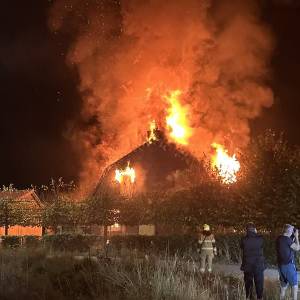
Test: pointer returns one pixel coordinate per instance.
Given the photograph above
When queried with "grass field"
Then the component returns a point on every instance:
(34, 274)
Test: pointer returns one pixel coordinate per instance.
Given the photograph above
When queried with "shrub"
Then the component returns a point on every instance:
(32, 275)
(270, 250)
(11, 241)
(32, 241)
(70, 242)
(180, 245)
(229, 248)
(228, 245)
(156, 244)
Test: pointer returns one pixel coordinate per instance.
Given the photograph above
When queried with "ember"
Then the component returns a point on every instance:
(128, 172)
(226, 166)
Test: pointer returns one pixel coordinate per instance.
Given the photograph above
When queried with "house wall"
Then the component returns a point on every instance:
(166, 230)
(117, 230)
(131, 230)
(148, 230)
(22, 230)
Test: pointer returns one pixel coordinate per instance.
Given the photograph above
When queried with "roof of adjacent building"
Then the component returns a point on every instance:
(21, 195)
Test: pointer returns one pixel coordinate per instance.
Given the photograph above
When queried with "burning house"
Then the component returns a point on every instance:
(179, 63)
(152, 166)
(157, 165)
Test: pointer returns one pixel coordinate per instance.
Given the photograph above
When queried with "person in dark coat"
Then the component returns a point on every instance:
(253, 262)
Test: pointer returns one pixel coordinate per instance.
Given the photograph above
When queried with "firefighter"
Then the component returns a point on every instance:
(206, 248)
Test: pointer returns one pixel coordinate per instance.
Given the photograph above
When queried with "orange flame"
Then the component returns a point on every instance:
(226, 166)
(177, 118)
(128, 172)
(152, 137)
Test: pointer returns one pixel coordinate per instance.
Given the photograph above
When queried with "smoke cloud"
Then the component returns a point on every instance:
(130, 53)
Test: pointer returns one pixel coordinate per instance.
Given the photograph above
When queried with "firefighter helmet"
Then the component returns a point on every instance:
(206, 227)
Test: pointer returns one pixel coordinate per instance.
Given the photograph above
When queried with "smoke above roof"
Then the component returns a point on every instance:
(130, 53)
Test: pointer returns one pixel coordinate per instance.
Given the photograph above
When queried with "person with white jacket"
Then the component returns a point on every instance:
(206, 249)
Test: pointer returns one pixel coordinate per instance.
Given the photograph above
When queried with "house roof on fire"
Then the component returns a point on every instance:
(157, 160)
(29, 196)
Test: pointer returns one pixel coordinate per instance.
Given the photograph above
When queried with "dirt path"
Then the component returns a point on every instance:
(234, 270)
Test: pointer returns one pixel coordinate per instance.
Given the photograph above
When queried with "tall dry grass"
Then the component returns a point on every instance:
(36, 275)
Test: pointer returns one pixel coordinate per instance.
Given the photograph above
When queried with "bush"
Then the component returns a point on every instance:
(32, 275)
(32, 241)
(70, 242)
(228, 245)
(11, 241)
(229, 248)
(156, 244)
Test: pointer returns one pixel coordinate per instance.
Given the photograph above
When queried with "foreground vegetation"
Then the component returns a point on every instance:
(38, 275)
(228, 245)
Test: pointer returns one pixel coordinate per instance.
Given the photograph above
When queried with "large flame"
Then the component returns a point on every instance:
(177, 118)
(128, 172)
(152, 136)
(226, 166)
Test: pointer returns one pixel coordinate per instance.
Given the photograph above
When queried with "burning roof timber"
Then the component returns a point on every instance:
(155, 162)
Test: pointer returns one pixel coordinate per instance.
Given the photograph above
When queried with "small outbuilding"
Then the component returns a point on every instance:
(30, 201)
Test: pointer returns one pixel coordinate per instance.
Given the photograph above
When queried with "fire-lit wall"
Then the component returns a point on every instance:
(123, 230)
(148, 230)
(21, 230)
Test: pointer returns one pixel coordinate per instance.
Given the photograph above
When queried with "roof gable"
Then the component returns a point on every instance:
(158, 160)
(28, 196)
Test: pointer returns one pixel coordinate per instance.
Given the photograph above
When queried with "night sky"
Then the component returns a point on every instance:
(39, 96)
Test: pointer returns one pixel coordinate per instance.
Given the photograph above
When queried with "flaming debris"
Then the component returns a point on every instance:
(226, 166)
(152, 137)
(128, 172)
(177, 118)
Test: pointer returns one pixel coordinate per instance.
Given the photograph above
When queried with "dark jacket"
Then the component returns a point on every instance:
(285, 254)
(252, 252)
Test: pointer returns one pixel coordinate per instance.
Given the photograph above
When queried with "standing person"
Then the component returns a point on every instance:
(286, 245)
(206, 248)
(253, 262)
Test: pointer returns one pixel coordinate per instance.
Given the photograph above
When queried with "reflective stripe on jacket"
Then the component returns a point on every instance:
(206, 242)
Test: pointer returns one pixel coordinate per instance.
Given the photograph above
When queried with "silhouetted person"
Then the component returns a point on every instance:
(286, 245)
(253, 262)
